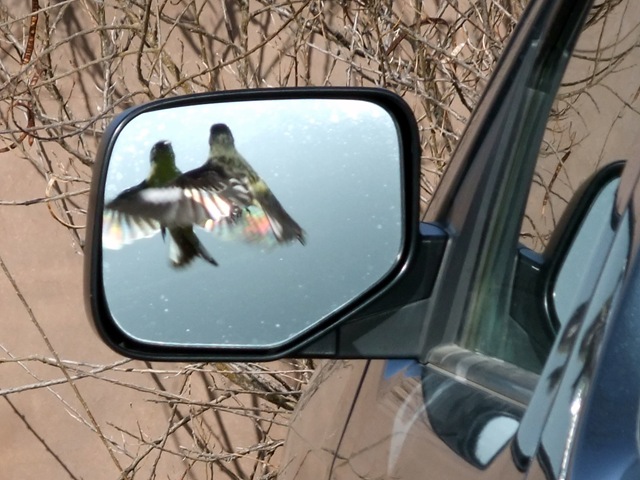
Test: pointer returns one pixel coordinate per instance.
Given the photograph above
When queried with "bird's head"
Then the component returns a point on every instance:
(161, 152)
(220, 134)
(163, 164)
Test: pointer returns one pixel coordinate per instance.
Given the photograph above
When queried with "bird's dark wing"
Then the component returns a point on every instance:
(262, 220)
(183, 202)
(196, 198)
(250, 226)
(168, 206)
(120, 228)
(215, 180)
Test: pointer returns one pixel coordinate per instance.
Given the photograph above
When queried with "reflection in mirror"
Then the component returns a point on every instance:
(492, 438)
(583, 263)
(224, 193)
(245, 223)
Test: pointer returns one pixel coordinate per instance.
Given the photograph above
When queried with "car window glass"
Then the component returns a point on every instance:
(595, 116)
(594, 121)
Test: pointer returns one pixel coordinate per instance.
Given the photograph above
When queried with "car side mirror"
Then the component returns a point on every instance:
(586, 260)
(592, 224)
(235, 224)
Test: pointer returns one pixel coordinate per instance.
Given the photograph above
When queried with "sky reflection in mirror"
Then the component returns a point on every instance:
(333, 165)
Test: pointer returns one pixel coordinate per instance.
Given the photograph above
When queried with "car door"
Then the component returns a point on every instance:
(580, 422)
(469, 415)
(514, 338)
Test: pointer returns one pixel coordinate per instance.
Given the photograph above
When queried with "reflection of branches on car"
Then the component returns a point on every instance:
(586, 110)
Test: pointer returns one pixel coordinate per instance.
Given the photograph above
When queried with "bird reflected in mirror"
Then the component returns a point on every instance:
(169, 201)
(224, 196)
(223, 155)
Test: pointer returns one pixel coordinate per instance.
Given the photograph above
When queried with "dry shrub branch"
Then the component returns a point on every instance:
(66, 68)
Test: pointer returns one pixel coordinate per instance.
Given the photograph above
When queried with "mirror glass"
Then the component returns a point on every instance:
(243, 224)
(582, 266)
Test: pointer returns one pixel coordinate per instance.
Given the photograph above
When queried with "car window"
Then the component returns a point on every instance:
(594, 118)
(593, 122)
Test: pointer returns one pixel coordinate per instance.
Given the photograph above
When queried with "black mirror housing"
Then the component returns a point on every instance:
(302, 218)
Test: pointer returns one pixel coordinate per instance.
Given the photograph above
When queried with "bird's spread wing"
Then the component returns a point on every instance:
(140, 211)
(251, 226)
(214, 180)
(263, 220)
(172, 206)
(120, 229)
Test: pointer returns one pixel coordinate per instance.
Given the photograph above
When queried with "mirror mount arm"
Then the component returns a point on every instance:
(391, 325)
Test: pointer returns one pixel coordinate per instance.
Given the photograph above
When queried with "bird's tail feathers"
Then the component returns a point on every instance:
(285, 228)
(184, 246)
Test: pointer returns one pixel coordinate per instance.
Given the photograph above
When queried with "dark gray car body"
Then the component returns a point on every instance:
(462, 414)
